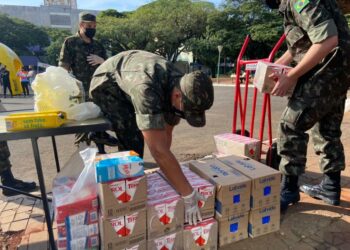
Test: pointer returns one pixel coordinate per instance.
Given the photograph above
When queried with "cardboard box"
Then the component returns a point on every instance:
(118, 168)
(204, 187)
(265, 180)
(232, 228)
(90, 243)
(140, 246)
(232, 187)
(165, 208)
(124, 231)
(262, 81)
(264, 220)
(203, 236)
(173, 241)
(229, 144)
(123, 196)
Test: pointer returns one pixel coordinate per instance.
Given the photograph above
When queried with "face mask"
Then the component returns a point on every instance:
(273, 4)
(90, 32)
(178, 112)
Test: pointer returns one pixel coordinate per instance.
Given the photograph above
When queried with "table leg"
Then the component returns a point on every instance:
(43, 192)
(56, 154)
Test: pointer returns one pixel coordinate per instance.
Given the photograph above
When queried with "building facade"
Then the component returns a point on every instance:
(53, 13)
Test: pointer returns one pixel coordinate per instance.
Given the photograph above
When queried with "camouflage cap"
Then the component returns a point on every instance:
(86, 17)
(197, 96)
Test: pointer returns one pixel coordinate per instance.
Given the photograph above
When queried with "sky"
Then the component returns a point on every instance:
(119, 5)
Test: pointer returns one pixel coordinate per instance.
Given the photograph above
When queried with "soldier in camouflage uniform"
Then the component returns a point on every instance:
(318, 40)
(7, 178)
(81, 55)
(145, 96)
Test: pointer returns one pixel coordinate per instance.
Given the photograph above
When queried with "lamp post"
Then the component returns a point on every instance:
(220, 47)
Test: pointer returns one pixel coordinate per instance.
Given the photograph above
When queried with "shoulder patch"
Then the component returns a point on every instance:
(300, 5)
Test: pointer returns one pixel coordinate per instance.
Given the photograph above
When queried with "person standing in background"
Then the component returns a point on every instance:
(23, 74)
(82, 54)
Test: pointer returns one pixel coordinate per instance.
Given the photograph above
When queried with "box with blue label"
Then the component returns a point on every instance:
(232, 187)
(118, 168)
(265, 180)
(232, 228)
(264, 220)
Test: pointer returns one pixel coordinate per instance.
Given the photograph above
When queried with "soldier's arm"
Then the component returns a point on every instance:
(169, 131)
(321, 29)
(286, 59)
(157, 141)
(65, 59)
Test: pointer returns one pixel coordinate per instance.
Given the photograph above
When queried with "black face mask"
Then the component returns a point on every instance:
(178, 112)
(90, 32)
(273, 4)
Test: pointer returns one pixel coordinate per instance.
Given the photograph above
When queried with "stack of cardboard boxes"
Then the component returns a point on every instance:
(165, 215)
(77, 221)
(232, 198)
(122, 189)
(264, 216)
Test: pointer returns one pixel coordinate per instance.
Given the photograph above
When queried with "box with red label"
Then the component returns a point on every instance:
(232, 187)
(84, 218)
(118, 166)
(122, 196)
(85, 243)
(232, 228)
(123, 231)
(139, 246)
(172, 241)
(262, 79)
(265, 180)
(264, 220)
(165, 208)
(203, 236)
(229, 144)
(205, 188)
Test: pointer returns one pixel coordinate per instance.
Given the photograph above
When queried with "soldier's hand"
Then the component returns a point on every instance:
(283, 83)
(95, 60)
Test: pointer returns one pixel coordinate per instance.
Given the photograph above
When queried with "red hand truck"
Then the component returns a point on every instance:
(250, 66)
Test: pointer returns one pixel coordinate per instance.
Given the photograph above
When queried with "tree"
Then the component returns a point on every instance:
(162, 26)
(57, 37)
(23, 37)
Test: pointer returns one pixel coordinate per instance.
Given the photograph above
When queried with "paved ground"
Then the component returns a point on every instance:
(308, 225)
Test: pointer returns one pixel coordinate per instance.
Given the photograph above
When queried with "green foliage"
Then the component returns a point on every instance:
(163, 26)
(57, 37)
(21, 36)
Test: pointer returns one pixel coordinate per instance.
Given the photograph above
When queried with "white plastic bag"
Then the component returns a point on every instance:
(56, 89)
(83, 111)
(68, 189)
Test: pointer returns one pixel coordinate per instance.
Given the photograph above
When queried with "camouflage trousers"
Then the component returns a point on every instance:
(324, 117)
(120, 111)
(4, 157)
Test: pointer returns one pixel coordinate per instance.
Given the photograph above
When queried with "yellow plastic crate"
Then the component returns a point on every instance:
(35, 120)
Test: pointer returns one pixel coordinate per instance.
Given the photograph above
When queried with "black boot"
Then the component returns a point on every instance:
(8, 180)
(328, 190)
(289, 191)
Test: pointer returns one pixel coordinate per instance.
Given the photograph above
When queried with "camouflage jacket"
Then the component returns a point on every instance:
(145, 80)
(74, 54)
(312, 21)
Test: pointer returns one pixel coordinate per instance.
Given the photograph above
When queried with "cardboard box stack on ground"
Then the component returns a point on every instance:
(262, 80)
(264, 216)
(122, 189)
(203, 236)
(229, 143)
(165, 212)
(77, 222)
(232, 198)
(204, 187)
